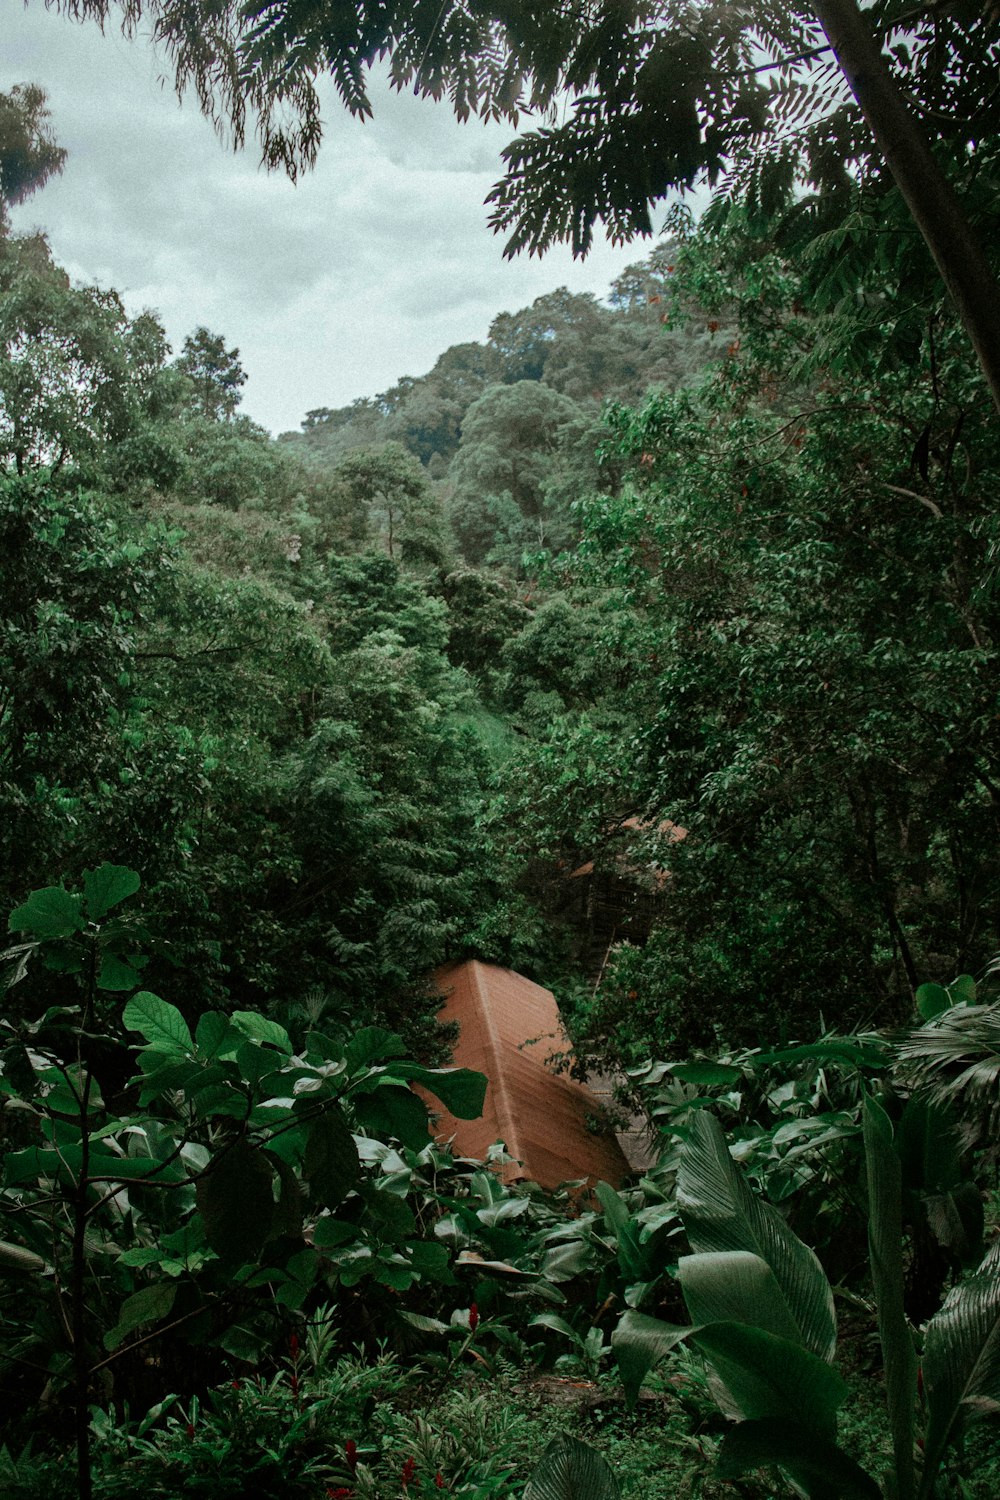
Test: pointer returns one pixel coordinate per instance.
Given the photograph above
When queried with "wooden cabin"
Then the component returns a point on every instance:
(509, 1028)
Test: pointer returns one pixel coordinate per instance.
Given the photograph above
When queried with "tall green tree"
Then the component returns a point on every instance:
(403, 510)
(215, 373)
(517, 442)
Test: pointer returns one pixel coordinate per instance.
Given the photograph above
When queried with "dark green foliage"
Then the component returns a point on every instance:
(28, 154)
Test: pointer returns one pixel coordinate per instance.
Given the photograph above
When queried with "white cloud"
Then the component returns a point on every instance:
(333, 288)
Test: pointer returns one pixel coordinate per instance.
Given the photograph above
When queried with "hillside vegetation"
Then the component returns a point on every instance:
(648, 648)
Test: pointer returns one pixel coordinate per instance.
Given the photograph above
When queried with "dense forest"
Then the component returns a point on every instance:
(648, 648)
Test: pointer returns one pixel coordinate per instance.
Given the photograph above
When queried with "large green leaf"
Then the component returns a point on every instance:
(49, 913)
(734, 1286)
(163, 1026)
(931, 1000)
(148, 1305)
(259, 1029)
(104, 887)
(768, 1376)
(961, 1364)
(116, 974)
(330, 1164)
(372, 1044)
(571, 1470)
(461, 1090)
(720, 1212)
(706, 1073)
(885, 1240)
(640, 1342)
(871, 1053)
(393, 1113)
(632, 1255)
(236, 1202)
(820, 1468)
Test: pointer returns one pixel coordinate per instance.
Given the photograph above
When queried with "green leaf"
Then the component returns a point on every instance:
(870, 1054)
(767, 1376)
(720, 1212)
(734, 1286)
(430, 1260)
(885, 1240)
(243, 1343)
(212, 1030)
(259, 1029)
(460, 1090)
(162, 1024)
(372, 1044)
(287, 1218)
(571, 1470)
(392, 1113)
(49, 913)
(557, 1324)
(148, 1305)
(104, 887)
(821, 1469)
(425, 1325)
(640, 1342)
(116, 974)
(963, 990)
(330, 1165)
(932, 999)
(706, 1073)
(632, 1256)
(329, 1233)
(961, 1363)
(236, 1202)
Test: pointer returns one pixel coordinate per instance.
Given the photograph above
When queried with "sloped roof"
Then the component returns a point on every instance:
(509, 1029)
(673, 833)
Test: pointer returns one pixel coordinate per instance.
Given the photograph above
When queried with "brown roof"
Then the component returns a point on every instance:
(509, 1029)
(672, 832)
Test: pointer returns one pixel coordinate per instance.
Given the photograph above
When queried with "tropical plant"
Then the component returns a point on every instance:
(764, 1321)
(231, 1169)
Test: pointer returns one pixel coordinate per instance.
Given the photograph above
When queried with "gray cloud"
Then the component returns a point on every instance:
(333, 288)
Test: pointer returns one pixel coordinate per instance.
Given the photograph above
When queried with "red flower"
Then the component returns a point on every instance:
(473, 1318)
(190, 1429)
(409, 1470)
(339, 1494)
(351, 1454)
(293, 1344)
(235, 1385)
(439, 1480)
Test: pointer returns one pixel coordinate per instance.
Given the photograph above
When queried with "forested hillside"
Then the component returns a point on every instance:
(648, 647)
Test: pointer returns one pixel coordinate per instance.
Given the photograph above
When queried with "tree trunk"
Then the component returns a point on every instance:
(929, 196)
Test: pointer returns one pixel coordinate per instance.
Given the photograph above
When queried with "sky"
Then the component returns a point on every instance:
(366, 270)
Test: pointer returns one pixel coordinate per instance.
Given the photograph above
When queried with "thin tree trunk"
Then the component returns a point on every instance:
(936, 210)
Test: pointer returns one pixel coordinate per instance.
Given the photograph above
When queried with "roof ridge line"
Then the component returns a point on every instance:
(501, 1103)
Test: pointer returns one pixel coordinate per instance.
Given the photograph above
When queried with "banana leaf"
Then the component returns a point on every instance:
(766, 1376)
(733, 1286)
(639, 1342)
(721, 1213)
(571, 1470)
(820, 1469)
(961, 1362)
